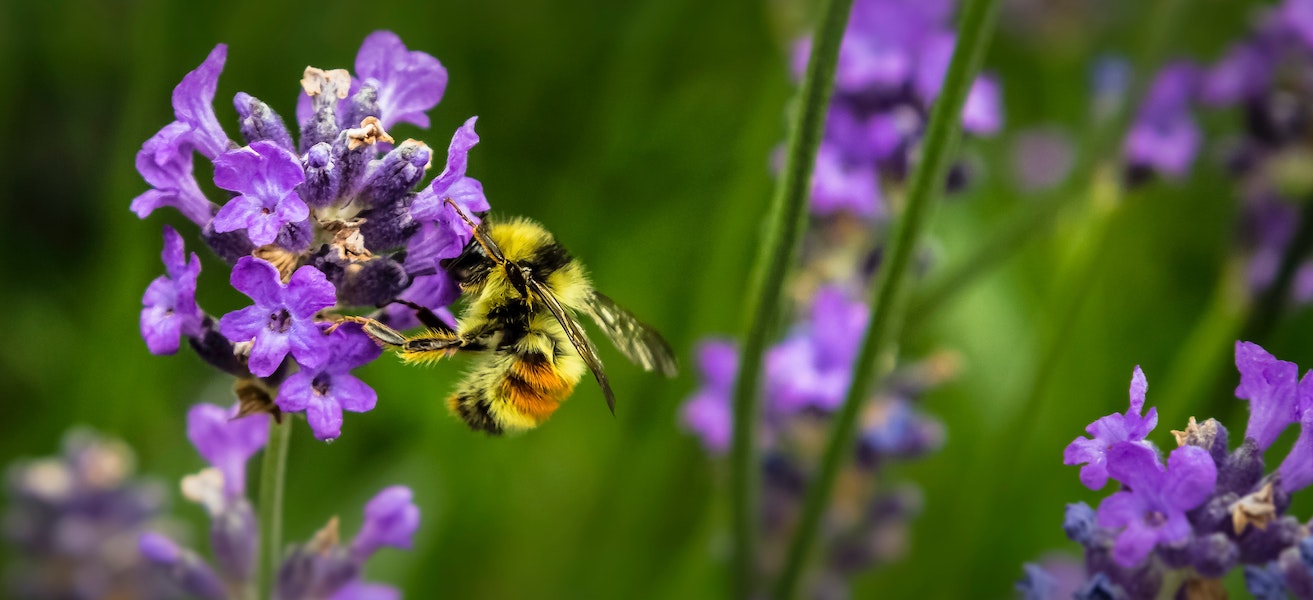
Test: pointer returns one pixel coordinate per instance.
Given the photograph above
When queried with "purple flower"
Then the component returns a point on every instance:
(708, 412)
(839, 185)
(1297, 469)
(165, 162)
(409, 83)
(360, 590)
(1272, 388)
(1164, 136)
(227, 442)
(391, 519)
(182, 566)
(1151, 507)
(1111, 430)
(813, 368)
(193, 104)
(169, 306)
(442, 233)
(1243, 73)
(265, 175)
(282, 317)
(323, 392)
(1297, 15)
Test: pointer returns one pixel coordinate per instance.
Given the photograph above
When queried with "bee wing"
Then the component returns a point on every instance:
(641, 344)
(576, 334)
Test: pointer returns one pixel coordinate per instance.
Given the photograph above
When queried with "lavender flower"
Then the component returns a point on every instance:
(708, 412)
(265, 177)
(1152, 510)
(281, 320)
(1109, 430)
(1210, 509)
(1164, 137)
(812, 369)
(336, 218)
(324, 392)
(891, 67)
(169, 306)
(66, 520)
(321, 568)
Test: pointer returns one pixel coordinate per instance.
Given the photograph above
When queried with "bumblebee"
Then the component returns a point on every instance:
(524, 290)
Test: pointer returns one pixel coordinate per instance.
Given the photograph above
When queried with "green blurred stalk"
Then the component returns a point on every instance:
(938, 147)
(1029, 220)
(783, 230)
(273, 476)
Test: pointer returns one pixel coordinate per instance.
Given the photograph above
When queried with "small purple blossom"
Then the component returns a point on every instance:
(1272, 388)
(322, 393)
(193, 104)
(409, 82)
(227, 441)
(1110, 430)
(1151, 509)
(391, 519)
(442, 233)
(169, 308)
(265, 176)
(165, 162)
(812, 369)
(1164, 137)
(708, 412)
(282, 318)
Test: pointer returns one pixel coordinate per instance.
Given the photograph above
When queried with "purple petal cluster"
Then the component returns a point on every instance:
(812, 368)
(65, 520)
(321, 568)
(891, 68)
(708, 412)
(1164, 137)
(1107, 431)
(169, 309)
(322, 393)
(337, 217)
(1210, 509)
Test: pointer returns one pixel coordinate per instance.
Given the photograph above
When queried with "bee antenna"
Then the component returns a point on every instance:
(463, 216)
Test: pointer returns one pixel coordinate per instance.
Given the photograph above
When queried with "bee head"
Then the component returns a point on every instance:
(471, 268)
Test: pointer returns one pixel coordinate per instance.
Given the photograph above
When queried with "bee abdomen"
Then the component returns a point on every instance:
(473, 408)
(533, 387)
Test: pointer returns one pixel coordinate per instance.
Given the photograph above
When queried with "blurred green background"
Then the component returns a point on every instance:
(640, 133)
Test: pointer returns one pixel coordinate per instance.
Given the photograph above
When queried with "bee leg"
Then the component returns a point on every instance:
(380, 333)
(425, 316)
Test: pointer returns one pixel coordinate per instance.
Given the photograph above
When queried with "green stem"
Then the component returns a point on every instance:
(877, 352)
(272, 478)
(783, 230)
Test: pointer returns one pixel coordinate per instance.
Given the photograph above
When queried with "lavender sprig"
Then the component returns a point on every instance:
(1210, 509)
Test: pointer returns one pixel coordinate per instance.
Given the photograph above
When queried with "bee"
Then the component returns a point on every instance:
(524, 290)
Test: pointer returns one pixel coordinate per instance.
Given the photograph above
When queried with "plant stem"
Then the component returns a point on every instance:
(976, 29)
(273, 473)
(783, 230)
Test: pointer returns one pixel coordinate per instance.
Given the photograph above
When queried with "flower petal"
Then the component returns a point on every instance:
(268, 352)
(325, 418)
(409, 83)
(193, 103)
(353, 394)
(308, 292)
(258, 279)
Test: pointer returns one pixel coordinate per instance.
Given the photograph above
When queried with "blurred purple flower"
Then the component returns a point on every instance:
(1151, 508)
(1110, 430)
(282, 318)
(323, 392)
(1164, 137)
(227, 441)
(707, 414)
(169, 308)
(812, 368)
(391, 519)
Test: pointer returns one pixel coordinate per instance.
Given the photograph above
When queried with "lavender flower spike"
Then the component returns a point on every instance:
(282, 318)
(1151, 508)
(409, 83)
(1127, 427)
(391, 519)
(169, 306)
(1270, 386)
(324, 392)
(227, 442)
(265, 175)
